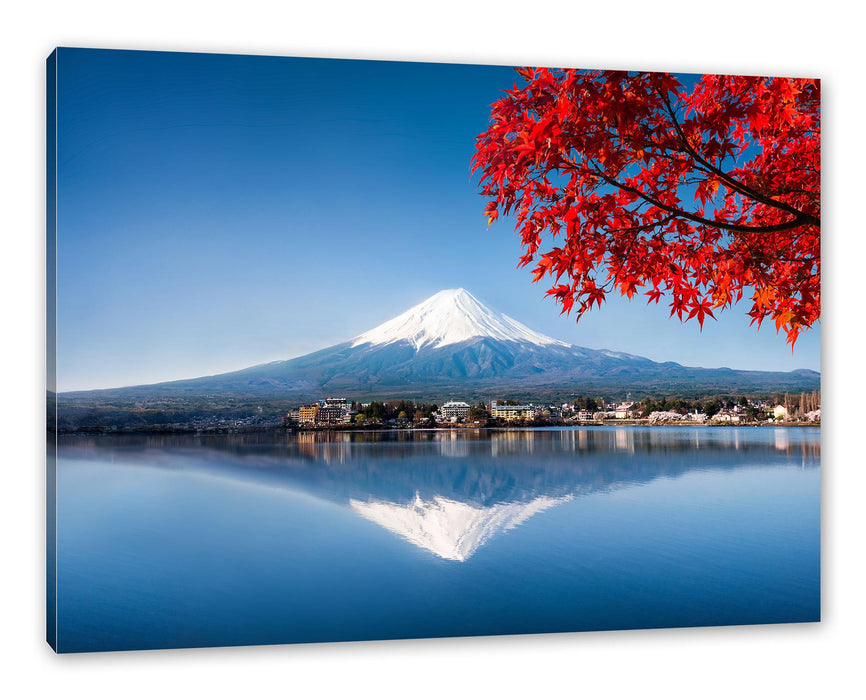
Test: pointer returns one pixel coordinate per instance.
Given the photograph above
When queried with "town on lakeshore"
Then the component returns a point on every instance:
(340, 412)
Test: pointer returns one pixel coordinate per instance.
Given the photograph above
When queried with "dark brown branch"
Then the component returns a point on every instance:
(731, 182)
(734, 228)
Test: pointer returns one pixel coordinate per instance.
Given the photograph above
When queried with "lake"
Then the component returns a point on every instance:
(187, 541)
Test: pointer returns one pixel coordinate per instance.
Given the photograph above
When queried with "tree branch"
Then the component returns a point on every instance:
(734, 228)
(734, 184)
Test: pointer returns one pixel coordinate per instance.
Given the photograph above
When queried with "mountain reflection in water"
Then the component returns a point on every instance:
(449, 492)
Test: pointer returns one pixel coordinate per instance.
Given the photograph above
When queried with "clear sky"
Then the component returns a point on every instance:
(215, 212)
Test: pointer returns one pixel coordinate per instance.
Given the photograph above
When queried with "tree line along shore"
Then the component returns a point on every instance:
(353, 415)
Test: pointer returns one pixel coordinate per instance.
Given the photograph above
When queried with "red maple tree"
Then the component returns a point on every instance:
(697, 192)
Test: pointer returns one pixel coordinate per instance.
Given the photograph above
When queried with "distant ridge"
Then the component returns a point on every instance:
(453, 345)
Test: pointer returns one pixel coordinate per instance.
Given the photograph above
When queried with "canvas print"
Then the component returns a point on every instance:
(360, 350)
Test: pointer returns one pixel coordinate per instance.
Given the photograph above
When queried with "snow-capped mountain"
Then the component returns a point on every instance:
(452, 316)
(453, 345)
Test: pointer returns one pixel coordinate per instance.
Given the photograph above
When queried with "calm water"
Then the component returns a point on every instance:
(180, 542)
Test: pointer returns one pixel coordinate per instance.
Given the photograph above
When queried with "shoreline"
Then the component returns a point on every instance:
(635, 423)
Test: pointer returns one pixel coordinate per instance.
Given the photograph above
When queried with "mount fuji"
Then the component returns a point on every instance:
(452, 345)
(450, 317)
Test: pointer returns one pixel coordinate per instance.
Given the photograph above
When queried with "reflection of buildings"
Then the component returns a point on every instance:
(781, 439)
(511, 442)
(452, 444)
(337, 449)
(624, 440)
(491, 481)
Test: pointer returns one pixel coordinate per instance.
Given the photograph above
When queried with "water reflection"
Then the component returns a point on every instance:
(448, 528)
(450, 492)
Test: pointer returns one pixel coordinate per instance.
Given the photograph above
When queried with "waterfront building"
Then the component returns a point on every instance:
(330, 415)
(623, 410)
(458, 410)
(510, 413)
(307, 414)
(726, 416)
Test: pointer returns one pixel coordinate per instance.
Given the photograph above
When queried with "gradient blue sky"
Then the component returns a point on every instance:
(217, 211)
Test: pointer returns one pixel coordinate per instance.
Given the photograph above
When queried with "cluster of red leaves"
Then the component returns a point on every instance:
(693, 193)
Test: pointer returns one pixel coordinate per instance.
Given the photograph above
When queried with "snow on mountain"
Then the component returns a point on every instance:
(450, 529)
(449, 317)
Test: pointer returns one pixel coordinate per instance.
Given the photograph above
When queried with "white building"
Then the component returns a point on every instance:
(457, 410)
(623, 410)
(726, 417)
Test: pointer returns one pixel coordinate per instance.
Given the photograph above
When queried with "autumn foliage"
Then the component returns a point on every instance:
(697, 191)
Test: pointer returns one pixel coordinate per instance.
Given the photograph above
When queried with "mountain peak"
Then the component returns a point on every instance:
(448, 317)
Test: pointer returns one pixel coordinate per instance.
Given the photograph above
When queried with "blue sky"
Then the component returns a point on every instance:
(219, 211)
